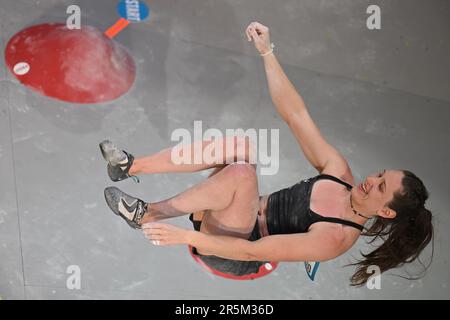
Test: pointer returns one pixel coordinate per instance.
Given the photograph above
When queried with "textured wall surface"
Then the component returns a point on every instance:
(381, 97)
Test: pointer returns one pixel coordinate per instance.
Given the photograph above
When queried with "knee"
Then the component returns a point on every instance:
(244, 149)
(244, 171)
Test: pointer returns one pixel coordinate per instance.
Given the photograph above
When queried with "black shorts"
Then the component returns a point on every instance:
(232, 267)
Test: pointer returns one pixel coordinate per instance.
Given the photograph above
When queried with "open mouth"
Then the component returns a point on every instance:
(362, 188)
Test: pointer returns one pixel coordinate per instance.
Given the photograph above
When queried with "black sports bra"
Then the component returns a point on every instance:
(288, 210)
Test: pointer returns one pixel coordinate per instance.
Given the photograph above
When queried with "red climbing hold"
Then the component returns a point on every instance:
(263, 270)
(81, 66)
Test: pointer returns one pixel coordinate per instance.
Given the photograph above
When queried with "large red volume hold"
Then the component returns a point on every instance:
(81, 66)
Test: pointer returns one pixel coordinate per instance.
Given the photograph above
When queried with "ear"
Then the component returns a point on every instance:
(387, 212)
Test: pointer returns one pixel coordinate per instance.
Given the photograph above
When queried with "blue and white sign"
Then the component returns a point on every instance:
(133, 10)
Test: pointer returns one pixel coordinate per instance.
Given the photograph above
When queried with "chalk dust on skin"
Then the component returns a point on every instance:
(81, 66)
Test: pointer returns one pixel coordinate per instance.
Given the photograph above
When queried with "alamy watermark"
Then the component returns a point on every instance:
(73, 282)
(373, 22)
(235, 145)
(374, 281)
(74, 20)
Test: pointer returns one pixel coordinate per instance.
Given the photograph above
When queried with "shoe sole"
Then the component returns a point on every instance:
(107, 149)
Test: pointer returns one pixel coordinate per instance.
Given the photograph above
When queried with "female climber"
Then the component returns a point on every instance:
(317, 219)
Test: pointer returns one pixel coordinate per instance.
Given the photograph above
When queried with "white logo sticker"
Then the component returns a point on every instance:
(21, 68)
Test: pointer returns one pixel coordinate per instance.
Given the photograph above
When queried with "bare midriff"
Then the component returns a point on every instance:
(262, 217)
